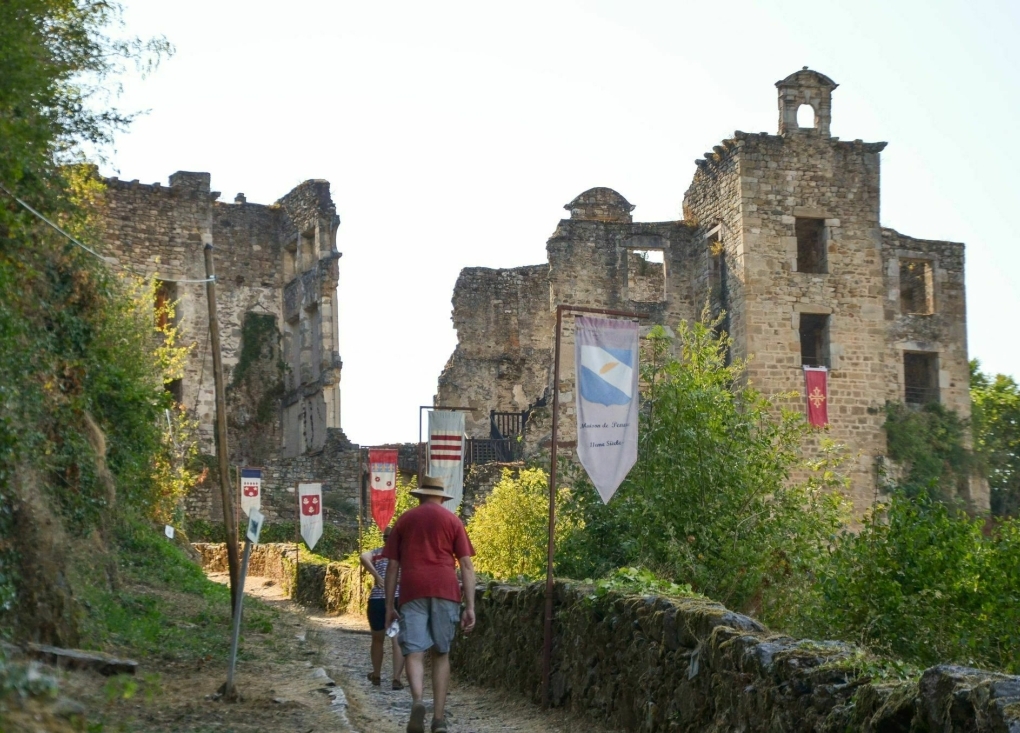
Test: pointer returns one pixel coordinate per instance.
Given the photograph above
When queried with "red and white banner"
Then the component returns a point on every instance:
(446, 453)
(816, 387)
(382, 478)
(251, 489)
(310, 504)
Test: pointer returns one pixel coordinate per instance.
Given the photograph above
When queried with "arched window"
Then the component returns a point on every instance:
(805, 116)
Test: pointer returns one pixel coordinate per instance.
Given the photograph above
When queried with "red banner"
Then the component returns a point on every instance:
(382, 478)
(816, 381)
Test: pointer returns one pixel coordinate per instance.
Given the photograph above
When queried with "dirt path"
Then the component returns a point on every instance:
(342, 646)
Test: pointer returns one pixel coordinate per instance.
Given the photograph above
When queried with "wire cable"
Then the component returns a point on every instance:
(92, 251)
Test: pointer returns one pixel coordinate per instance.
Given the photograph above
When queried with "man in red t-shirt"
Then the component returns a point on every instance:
(423, 546)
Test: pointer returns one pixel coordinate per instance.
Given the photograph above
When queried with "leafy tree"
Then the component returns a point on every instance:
(510, 529)
(995, 422)
(929, 444)
(923, 581)
(719, 498)
(59, 64)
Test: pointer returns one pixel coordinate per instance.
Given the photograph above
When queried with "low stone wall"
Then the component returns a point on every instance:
(330, 586)
(656, 664)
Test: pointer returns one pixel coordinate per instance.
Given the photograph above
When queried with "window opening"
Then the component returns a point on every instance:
(920, 378)
(166, 296)
(806, 116)
(917, 287)
(811, 256)
(814, 340)
(646, 275)
(176, 390)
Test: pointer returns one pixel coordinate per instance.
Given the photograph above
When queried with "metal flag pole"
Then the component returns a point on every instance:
(553, 458)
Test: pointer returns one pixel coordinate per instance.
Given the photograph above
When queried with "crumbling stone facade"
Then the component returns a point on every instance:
(277, 268)
(782, 233)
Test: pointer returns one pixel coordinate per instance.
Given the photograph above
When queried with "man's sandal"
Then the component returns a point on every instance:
(375, 679)
(398, 685)
(439, 726)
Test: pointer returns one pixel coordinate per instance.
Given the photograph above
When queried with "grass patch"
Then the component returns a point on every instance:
(164, 608)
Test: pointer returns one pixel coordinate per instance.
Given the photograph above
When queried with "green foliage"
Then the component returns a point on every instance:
(995, 421)
(510, 529)
(711, 501)
(922, 581)
(58, 76)
(638, 581)
(929, 442)
(167, 609)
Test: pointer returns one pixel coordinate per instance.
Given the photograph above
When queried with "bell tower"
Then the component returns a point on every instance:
(805, 87)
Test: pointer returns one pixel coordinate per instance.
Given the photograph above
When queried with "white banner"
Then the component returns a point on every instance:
(251, 489)
(446, 453)
(606, 359)
(310, 501)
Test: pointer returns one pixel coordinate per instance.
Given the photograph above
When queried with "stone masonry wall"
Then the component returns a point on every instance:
(688, 664)
(277, 269)
(649, 664)
(736, 251)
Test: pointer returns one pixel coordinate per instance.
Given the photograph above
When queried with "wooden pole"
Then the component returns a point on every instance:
(226, 486)
(553, 458)
(361, 512)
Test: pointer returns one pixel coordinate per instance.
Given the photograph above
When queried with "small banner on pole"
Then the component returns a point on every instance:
(382, 477)
(251, 489)
(606, 359)
(816, 381)
(446, 453)
(310, 501)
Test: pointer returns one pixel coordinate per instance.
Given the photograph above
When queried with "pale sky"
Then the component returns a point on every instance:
(454, 132)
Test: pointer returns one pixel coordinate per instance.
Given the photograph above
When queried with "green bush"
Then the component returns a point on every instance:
(995, 420)
(929, 443)
(510, 529)
(712, 501)
(924, 582)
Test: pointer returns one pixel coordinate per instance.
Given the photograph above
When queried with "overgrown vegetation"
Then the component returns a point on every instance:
(88, 435)
(995, 404)
(928, 443)
(508, 530)
(711, 501)
(924, 582)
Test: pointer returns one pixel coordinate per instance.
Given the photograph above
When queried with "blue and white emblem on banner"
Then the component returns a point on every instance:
(607, 375)
(606, 357)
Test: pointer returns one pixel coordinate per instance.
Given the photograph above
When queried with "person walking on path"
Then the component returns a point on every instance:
(423, 546)
(376, 564)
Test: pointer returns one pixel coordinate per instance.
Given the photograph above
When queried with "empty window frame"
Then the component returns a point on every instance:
(811, 245)
(166, 298)
(814, 340)
(646, 275)
(917, 287)
(920, 377)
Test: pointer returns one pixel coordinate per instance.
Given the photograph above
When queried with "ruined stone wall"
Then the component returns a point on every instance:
(277, 272)
(504, 330)
(737, 252)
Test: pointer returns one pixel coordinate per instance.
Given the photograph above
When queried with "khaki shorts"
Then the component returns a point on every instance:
(426, 623)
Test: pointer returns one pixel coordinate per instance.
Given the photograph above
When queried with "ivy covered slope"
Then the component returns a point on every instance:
(84, 439)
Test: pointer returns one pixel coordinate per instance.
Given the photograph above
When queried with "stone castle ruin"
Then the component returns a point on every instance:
(781, 233)
(277, 268)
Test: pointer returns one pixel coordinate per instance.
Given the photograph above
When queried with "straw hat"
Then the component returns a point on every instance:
(431, 486)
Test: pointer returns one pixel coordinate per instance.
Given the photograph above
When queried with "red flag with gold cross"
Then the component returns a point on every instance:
(816, 382)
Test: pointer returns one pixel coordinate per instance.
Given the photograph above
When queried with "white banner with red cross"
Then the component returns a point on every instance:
(446, 453)
(251, 489)
(310, 503)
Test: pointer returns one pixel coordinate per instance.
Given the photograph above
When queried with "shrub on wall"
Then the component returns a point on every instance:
(710, 501)
(510, 529)
(922, 581)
